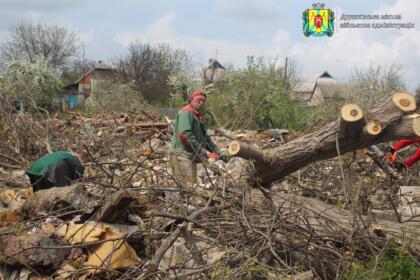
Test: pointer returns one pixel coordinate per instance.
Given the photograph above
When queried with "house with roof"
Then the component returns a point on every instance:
(77, 92)
(214, 72)
(318, 88)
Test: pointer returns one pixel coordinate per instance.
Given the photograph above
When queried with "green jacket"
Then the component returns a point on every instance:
(190, 134)
(60, 168)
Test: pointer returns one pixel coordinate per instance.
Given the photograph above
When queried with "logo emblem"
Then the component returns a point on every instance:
(318, 22)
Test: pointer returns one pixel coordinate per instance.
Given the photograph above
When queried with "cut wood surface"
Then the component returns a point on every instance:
(395, 118)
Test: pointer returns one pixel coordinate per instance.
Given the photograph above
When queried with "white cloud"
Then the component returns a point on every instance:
(282, 38)
(87, 36)
(248, 10)
(14, 11)
(348, 48)
(339, 54)
(162, 31)
(408, 9)
(40, 5)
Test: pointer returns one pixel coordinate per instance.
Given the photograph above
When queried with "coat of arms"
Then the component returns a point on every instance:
(318, 22)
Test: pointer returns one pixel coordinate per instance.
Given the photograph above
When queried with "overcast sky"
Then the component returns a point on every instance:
(232, 29)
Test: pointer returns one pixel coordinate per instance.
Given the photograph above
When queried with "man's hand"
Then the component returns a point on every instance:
(213, 156)
(389, 150)
(391, 157)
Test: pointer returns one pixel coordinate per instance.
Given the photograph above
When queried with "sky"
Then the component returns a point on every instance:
(232, 29)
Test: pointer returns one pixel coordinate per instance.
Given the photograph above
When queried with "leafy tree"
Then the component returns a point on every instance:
(30, 40)
(150, 67)
(255, 97)
(35, 83)
(115, 96)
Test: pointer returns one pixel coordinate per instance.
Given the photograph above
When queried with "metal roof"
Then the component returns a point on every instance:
(303, 90)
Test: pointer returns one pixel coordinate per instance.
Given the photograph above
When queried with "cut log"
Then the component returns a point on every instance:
(74, 197)
(373, 128)
(399, 119)
(351, 113)
(243, 150)
(404, 101)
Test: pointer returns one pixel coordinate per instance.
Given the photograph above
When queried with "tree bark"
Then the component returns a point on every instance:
(396, 118)
(327, 219)
(69, 198)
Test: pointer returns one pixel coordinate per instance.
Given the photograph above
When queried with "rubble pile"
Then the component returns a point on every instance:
(129, 219)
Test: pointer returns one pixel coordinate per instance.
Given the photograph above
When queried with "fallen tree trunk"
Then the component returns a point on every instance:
(327, 219)
(320, 236)
(395, 118)
(69, 198)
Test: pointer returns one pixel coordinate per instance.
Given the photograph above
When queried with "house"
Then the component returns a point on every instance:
(77, 92)
(318, 88)
(214, 72)
(333, 92)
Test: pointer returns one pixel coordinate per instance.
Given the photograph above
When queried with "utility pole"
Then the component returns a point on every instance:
(285, 69)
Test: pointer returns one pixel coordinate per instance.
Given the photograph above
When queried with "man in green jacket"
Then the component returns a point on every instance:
(56, 169)
(190, 142)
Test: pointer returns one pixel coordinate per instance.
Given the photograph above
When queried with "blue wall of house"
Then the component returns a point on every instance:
(72, 100)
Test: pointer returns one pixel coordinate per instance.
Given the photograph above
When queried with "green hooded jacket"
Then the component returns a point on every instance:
(190, 134)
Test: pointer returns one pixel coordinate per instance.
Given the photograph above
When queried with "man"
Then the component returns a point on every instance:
(410, 161)
(56, 169)
(190, 142)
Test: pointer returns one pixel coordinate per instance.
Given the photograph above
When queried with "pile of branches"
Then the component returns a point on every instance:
(221, 229)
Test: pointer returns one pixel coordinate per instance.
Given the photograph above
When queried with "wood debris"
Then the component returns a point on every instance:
(128, 219)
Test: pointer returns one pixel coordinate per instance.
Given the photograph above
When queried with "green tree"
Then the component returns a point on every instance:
(34, 83)
(115, 96)
(255, 97)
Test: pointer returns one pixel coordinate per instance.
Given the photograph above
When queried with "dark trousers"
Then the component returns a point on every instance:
(39, 182)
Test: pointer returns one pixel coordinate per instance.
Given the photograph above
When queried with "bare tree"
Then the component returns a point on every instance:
(151, 66)
(30, 40)
(375, 82)
(76, 69)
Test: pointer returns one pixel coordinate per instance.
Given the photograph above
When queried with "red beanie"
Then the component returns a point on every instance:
(195, 94)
